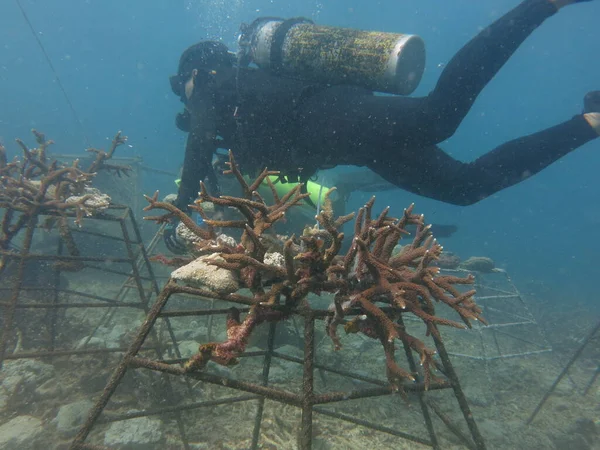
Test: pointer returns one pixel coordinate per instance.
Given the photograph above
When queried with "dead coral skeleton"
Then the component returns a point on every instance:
(368, 282)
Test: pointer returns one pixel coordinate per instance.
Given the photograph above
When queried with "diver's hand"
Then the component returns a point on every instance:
(171, 241)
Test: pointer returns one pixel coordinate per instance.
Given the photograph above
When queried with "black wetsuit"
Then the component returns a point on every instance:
(295, 127)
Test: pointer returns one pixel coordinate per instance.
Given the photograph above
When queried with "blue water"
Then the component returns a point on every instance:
(114, 58)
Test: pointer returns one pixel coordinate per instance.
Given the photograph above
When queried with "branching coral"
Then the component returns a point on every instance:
(368, 282)
(35, 186)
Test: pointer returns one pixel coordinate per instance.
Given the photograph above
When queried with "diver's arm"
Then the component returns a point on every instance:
(197, 165)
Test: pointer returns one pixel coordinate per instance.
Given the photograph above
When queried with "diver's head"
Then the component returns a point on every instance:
(207, 63)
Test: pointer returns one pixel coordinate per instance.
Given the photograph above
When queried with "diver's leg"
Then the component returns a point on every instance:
(519, 159)
(562, 3)
(477, 62)
(437, 175)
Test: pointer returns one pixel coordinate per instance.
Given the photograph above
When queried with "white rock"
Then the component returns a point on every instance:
(3, 398)
(478, 264)
(114, 335)
(134, 434)
(27, 373)
(171, 198)
(274, 259)
(185, 234)
(70, 417)
(22, 432)
(199, 273)
(207, 207)
(50, 389)
(188, 348)
(226, 240)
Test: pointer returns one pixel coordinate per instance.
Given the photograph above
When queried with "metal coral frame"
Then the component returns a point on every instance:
(307, 400)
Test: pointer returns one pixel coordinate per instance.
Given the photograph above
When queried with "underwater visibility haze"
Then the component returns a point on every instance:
(125, 312)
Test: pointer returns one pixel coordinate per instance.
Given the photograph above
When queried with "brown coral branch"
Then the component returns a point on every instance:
(228, 201)
(379, 316)
(99, 162)
(237, 261)
(234, 169)
(173, 211)
(264, 175)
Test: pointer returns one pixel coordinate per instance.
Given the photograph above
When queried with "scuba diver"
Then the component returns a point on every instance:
(297, 123)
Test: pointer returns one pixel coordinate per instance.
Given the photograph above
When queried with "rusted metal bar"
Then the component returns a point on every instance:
(9, 310)
(563, 372)
(199, 312)
(109, 418)
(42, 257)
(451, 425)
(332, 397)
(83, 352)
(265, 381)
(72, 305)
(308, 381)
(458, 392)
(145, 302)
(371, 425)
(271, 393)
(413, 368)
(121, 369)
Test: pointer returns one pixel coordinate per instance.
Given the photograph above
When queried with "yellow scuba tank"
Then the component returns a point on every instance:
(297, 48)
